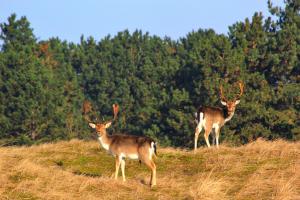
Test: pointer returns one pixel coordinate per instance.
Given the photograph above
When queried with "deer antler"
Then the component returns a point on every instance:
(87, 108)
(241, 86)
(116, 110)
(223, 98)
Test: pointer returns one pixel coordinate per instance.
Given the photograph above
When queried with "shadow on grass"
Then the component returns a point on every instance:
(88, 174)
(78, 172)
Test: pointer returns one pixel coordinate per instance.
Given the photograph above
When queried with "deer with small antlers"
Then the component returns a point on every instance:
(124, 146)
(215, 117)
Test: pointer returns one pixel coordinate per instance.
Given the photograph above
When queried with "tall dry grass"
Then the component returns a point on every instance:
(81, 170)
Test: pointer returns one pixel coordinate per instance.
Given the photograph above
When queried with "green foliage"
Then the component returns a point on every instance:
(40, 94)
(157, 82)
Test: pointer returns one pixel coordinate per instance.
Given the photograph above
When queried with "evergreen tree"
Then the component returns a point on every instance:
(158, 82)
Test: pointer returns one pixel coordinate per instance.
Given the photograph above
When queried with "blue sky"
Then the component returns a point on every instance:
(69, 19)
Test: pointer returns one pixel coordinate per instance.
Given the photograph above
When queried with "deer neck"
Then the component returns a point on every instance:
(227, 115)
(104, 140)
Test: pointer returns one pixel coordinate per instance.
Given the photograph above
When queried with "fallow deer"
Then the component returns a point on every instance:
(215, 117)
(126, 146)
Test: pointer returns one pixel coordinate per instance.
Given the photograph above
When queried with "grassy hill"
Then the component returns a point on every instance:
(82, 170)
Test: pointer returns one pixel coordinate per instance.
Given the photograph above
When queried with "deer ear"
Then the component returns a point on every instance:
(107, 124)
(237, 102)
(223, 103)
(196, 115)
(92, 125)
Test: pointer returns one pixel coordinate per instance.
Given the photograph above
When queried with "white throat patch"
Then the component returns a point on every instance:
(103, 144)
(229, 117)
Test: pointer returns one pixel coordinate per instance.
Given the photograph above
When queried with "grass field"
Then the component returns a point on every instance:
(82, 170)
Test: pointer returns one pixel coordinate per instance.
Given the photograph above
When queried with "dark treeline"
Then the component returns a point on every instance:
(157, 82)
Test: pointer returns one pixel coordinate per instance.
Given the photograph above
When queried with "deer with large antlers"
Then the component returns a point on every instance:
(124, 146)
(214, 117)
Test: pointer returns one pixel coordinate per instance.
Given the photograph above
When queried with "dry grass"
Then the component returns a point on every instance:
(81, 170)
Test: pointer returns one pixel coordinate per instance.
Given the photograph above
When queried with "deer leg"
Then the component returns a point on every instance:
(197, 132)
(217, 132)
(153, 174)
(214, 137)
(206, 136)
(151, 165)
(123, 168)
(117, 167)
